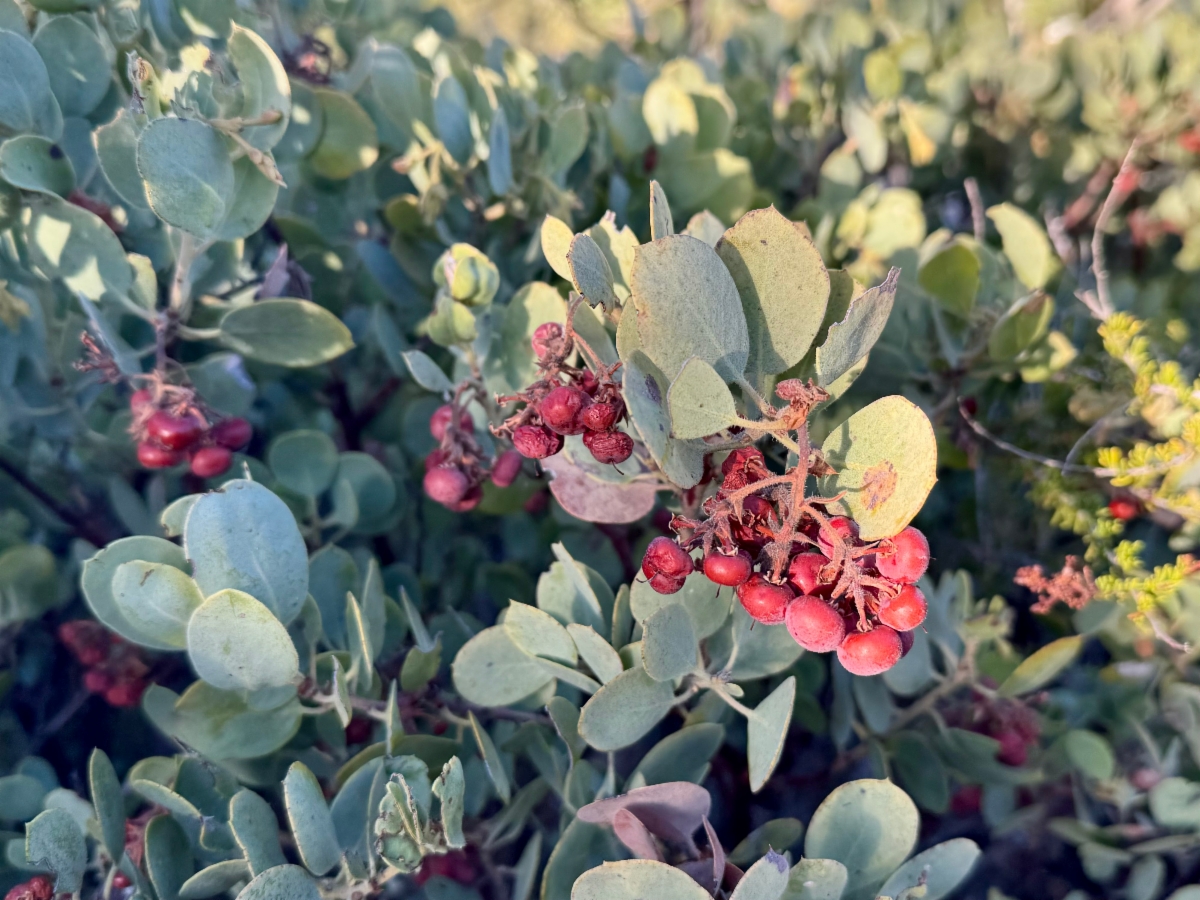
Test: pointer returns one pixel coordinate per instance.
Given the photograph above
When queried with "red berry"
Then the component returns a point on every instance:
(728, 570)
(1189, 141)
(906, 643)
(1124, 508)
(764, 601)
(1013, 750)
(665, 563)
(543, 336)
(870, 652)
(209, 462)
(120, 881)
(804, 572)
(506, 468)
(609, 446)
(846, 528)
(469, 501)
(665, 584)
(125, 694)
(358, 730)
(600, 416)
(814, 624)
(561, 409)
(751, 530)
(588, 383)
(905, 611)
(88, 640)
(905, 557)
(97, 681)
(233, 434)
(174, 432)
(446, 484)
(139, 400)
(971, 406)
(440, 421)
(155, 456)
(536, 441)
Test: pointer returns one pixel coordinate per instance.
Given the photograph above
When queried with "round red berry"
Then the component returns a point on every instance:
(600, 416)
(155, 456)
(729, 570)
(1124, 508)
(609, 447)
(871, 652)
(561, 409)
(814, 624)
(88, 640)
(125, 693)
(903, 558)
(232, 434)
(174, 432)
(665, 584)
(440, 421)
(209, 462)
(905, 611)
(120, 881)
(764, 601)
(804, 572)
(1013, 750)
(664, 557)
(845, 528)
(446, 484)
(543, 336)
(506, 468)
(536, 441)
(906, 642)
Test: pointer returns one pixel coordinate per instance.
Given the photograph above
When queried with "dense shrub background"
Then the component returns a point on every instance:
(1031, 168)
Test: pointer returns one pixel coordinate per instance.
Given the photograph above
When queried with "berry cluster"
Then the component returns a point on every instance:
(566, 401)
(39, 887)
(832, 590)
(1011, 722)
(115, 670)
(171, 425)
(456, 469)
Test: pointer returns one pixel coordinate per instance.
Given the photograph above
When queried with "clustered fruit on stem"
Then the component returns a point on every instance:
(456, 469)
(114, 669)
(39, 887)
(172, 424)
(792, 561)
(566, 400)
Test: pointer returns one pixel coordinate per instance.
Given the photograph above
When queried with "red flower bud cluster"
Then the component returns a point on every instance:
(567, 401)
(115, 669)
(39, 887)
(832, 590)
(456, 469)
(170, 425)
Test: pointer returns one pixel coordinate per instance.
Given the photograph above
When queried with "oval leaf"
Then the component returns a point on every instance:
(236, 643)
(624, 710)
(286, 332)
(1042, 667)
(886, 457)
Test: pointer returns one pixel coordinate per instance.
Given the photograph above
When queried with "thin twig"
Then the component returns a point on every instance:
(978, 222)
(1099, 302)
(1068, 469)
(76, 520)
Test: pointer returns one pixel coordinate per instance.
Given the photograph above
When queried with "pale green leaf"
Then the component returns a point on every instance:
(1042, 666)
(885, 456)
(236, 643)
(767, 731)
(699, 401)
(286, 332)
(783, 284)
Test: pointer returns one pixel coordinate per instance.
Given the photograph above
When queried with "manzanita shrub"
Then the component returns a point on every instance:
(756, 460)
